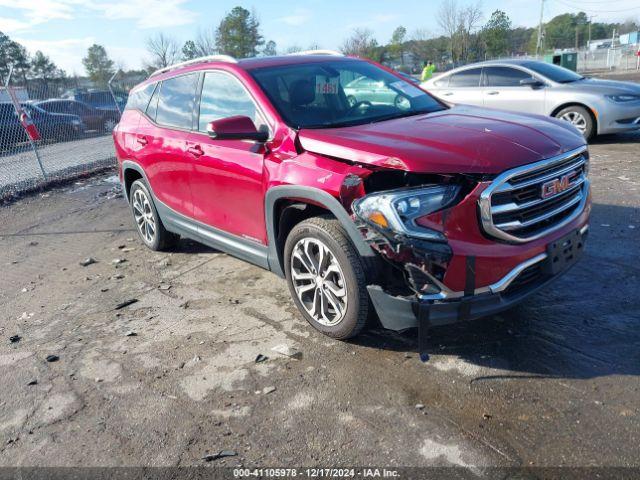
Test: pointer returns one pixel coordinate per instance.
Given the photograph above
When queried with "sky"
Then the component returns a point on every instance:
(64, 29)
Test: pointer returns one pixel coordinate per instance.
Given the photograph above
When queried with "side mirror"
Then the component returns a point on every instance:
(532, 82)
(235, 128)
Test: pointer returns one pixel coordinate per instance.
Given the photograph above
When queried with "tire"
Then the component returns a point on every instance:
(580, 118)
(342, 269)
(148, 224)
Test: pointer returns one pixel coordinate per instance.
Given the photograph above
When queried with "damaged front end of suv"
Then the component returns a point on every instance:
(439, 263)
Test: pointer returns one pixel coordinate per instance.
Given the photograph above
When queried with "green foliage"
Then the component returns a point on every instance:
(189, 50)
(362, 44)
(270, 49)
(12, 54)
(396, 48)
(496, 34)
(43, 68)
(238, 34)
(98, 65)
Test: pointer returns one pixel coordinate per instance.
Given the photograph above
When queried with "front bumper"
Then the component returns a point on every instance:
(619, 118)
(400, 313)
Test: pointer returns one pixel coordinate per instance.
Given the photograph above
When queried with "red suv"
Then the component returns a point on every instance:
(365, 192)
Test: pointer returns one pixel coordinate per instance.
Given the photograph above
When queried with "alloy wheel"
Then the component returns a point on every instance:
(109, 125)
(576, 119)
(143, 215)
(318, 281)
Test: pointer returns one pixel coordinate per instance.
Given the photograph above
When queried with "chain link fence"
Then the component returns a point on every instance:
(70, 123)
(608, 59)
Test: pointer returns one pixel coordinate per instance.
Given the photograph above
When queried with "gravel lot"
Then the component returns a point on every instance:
(172, 377)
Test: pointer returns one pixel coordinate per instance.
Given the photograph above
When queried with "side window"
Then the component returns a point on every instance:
(140, 98)
(224, 96)
(504, 76)
(466, 78)
(176, 100)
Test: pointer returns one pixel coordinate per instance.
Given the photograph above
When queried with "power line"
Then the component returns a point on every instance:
(580, 7)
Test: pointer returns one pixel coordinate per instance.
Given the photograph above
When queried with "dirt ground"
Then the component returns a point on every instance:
(173, 377)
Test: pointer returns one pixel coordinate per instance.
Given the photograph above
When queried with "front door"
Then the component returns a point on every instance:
(227, 175)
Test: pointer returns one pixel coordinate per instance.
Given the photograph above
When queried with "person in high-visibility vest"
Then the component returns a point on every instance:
(427, 71)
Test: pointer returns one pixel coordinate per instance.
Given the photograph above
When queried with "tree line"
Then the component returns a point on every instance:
(464, 37)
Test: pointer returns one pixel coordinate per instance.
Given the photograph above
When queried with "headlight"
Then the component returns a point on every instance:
(623, 98)
(75, 122)
(397, 210)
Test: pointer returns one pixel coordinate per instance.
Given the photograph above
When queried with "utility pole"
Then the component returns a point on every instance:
(539, 44)
(590, 21)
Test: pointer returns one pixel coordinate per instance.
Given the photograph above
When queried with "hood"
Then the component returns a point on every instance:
(462, 139)
(603, 87)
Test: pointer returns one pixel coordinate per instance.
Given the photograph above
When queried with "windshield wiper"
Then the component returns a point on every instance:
(364, 121)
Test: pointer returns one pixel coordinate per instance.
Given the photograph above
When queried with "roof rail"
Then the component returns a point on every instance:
(318, 52)
(208, 58)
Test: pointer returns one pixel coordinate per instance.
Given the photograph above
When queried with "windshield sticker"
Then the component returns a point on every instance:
(327, 85)
(407, 88)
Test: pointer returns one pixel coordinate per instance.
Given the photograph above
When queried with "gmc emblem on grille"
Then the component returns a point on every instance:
(557, 185)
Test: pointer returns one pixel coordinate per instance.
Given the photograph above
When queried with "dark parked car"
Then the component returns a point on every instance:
(101, 99)
(93, 118)
(52, 126)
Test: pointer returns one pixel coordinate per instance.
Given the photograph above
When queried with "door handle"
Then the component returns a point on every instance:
(142, 140)
(195, 150)
(448, 94)
(493, 93)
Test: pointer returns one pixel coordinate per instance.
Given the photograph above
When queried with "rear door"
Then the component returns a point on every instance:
(503, 90)
(464, 87)
(161, 140)
(227, 175)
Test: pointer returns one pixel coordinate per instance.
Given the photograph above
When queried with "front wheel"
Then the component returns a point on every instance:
(580, 118)
(326, 277)
(150, 227)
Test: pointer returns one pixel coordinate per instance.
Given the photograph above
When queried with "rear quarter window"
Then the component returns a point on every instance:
(176, 101)
(139, 99)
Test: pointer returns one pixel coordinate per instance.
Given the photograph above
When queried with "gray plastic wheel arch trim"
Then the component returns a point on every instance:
(317, 196)
(264, 256)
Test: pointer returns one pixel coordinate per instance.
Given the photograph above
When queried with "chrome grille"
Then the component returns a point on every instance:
(527, 202)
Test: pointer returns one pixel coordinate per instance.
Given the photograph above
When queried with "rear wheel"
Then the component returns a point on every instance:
(326, 277)
(580, 118)
(150, 227)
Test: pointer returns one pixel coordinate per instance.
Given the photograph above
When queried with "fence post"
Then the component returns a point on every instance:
(16, 105)
(111, 90)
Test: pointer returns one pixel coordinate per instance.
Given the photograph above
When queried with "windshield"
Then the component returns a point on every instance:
(554, 72)
(340, 93)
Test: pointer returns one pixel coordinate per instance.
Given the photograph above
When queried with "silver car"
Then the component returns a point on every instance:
(592, 106)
